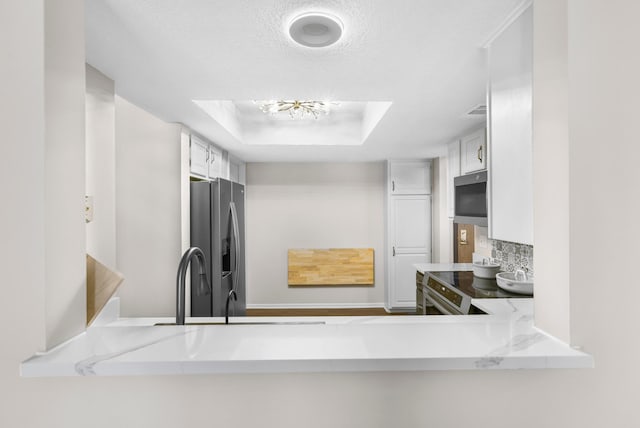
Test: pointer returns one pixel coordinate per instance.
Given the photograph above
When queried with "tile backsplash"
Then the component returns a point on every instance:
(512, 256)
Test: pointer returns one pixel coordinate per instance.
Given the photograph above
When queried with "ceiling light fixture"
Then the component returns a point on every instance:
(295, 108)
(315, 29)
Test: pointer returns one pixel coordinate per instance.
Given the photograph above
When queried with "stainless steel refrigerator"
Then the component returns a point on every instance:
(217, 228)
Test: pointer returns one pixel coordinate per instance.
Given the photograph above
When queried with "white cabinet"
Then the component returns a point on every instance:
(409, 177)
(199, 157)
(408, 233)
(453, 170)
(205, 159)
(215, 162)
(510, 133)
(473, 152)
(237, 169)
(464, 156)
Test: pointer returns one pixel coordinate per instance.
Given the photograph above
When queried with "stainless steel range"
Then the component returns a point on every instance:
(450, 293)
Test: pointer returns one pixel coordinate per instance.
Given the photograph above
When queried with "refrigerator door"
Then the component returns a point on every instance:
(238, 253)
(201, 234)
(222, 262)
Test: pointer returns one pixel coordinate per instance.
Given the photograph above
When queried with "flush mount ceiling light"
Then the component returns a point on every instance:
(315, 30)
(295, 108)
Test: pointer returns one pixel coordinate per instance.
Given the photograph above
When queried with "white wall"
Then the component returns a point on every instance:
(22, 178)
(101, 166)
(604, 85)
(551, 167)
(311, 205)
(148, 210)
(64, 90)
(442, 236)
(603, 181)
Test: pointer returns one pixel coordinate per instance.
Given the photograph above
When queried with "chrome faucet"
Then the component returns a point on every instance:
(203, 286)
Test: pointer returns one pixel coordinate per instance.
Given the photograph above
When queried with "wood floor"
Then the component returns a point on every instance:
(320, 312)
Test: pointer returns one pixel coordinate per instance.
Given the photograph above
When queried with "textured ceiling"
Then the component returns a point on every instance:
(424, 56)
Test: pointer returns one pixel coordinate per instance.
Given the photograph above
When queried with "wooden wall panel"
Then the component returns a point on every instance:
(332, 266)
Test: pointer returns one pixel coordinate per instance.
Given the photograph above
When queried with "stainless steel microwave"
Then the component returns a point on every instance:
(470, 201)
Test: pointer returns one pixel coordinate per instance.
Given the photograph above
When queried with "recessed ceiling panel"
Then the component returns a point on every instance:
(346, 123)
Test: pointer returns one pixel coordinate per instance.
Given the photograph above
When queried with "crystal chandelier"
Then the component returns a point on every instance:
(295, 108)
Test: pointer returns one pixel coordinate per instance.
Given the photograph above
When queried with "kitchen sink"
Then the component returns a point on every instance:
(246, 323)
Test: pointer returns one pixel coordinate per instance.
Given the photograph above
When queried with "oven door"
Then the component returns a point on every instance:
(435, 305)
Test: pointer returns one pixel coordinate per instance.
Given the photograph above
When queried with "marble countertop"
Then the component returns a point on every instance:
(440, 267)
(505, 339)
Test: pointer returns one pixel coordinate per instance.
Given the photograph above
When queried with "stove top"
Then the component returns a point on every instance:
(451, 292)
(474, 287)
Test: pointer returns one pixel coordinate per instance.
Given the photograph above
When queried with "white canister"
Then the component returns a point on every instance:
(485, 269)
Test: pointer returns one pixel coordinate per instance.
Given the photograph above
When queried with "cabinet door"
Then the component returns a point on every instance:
(403, 293)
(453, 170)
(510, 131)
(215, 162)
(199, 157)
(473, 152)
(409, 177)
(410, 243)
(234, 171)
(411, 224)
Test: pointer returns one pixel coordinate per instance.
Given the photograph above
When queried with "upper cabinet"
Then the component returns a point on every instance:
(215, 162)
(473, 152)
(205, 159)
(510, 132)
(199, 157)
(409, 177)
(464, 156)
(237, 170)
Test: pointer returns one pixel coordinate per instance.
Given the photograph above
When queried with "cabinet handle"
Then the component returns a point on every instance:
(480, 153)
(394, 251)
(207, 158)
(213, 157)
(393, 187)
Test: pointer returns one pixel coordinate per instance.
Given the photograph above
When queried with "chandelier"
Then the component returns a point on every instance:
(295, 108)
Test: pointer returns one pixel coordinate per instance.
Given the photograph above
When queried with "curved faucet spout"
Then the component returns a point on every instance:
(203, 286)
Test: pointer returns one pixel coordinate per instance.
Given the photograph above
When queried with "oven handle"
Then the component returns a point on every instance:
(433, 300)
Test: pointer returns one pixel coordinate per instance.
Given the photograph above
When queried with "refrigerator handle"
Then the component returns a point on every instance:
(236, 238)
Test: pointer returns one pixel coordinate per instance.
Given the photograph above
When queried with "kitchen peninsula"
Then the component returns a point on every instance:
(504, 339)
